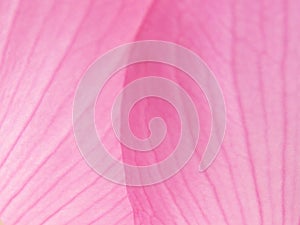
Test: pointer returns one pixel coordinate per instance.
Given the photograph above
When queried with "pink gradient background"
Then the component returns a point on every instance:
(253, 49)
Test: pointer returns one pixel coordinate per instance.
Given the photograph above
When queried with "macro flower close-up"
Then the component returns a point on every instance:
(149, 112)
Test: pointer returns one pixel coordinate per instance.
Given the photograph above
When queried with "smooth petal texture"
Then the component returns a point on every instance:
(253, 49)
(45, 48)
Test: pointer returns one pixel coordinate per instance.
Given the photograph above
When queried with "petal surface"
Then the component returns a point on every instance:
(252, 48)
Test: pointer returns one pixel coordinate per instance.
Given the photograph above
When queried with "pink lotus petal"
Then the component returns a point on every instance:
(253, 49)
